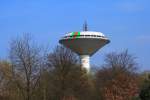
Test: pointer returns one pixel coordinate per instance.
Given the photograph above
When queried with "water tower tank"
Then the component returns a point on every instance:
(85, 44)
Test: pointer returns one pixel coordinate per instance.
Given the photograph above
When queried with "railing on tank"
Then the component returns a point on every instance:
(84, 36)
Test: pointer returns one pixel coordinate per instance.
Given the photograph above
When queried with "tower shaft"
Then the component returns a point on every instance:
(85, 62)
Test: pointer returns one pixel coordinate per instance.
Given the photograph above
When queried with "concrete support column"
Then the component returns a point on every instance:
(85, 62)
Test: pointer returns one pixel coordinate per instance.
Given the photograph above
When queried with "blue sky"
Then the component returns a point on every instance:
(125, 22)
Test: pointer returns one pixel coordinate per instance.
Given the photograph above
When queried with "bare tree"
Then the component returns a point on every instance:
(26, 60)
(117, 80)
(5, 78)
(123, 61)
(69, 81)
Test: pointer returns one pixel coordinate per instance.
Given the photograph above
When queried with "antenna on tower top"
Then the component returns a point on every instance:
(85, 26)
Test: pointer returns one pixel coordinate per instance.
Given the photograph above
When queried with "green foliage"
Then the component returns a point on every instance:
(145, 91)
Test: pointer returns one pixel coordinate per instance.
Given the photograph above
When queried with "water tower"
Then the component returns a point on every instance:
(85, 44)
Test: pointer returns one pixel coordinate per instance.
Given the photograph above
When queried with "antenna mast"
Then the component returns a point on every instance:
(85, 26)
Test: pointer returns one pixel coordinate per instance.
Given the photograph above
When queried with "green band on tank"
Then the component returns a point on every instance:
(78, 35)
(75, 35)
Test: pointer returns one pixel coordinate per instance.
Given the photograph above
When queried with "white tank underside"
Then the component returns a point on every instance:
(84, 46)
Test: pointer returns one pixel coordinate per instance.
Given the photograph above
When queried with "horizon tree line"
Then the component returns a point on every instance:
(32, 73)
